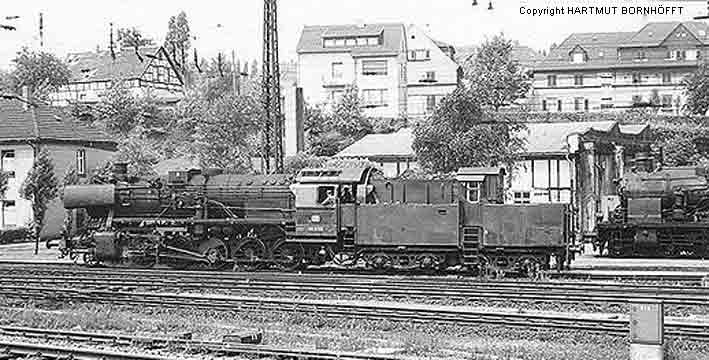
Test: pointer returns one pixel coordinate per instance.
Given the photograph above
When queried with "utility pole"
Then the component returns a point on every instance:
(41, 30)
(273, 129)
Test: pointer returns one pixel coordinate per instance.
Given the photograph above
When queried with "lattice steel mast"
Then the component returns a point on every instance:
(273, 129)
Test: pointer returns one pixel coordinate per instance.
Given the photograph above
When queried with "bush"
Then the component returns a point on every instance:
(15, 236)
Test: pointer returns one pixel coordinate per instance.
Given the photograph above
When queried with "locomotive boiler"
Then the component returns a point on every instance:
(662, 212)
(352, 217)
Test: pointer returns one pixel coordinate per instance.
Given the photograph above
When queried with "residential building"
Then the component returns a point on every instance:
(149, 70)
(387, 63)
(24, 129)
(621, 70)
(563, 162)
(432, 72)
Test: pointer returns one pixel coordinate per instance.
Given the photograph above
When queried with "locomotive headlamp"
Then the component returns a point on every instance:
(315, 218)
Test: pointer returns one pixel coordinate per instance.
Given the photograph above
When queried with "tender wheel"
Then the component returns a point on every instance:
(249, 254)
(288, 256)
(90, 259)
(380, 262)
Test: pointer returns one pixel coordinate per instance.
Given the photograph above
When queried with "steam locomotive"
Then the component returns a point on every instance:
(349, 217)
(662, 212)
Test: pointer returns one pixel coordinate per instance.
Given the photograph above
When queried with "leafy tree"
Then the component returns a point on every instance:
(697, 91)
(460, 133)
(133, 38)
(293, 164)
(327, 133)
(40, 71)
(178, 32)
(495, 77)
(3, 183)
(40, 187)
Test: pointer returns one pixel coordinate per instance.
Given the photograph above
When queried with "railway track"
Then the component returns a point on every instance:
(381, 287)
(20, 350)
(597, 323)
(185, 345)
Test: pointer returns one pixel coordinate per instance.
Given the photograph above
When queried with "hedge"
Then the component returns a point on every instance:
(15, 236)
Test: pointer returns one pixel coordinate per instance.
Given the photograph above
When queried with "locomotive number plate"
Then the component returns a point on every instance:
(316, 228)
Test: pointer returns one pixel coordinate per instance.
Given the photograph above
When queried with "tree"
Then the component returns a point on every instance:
(40, 71)
(133, 38)
(178, 32)
(697, 91)
(40, 187)
(460, 133)
(3, 183)
(330, 132)
(495, 77)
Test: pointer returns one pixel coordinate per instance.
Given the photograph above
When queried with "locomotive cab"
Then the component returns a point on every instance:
(325, 202)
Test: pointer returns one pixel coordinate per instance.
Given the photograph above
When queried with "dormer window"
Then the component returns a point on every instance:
(640, 55)
(419, 55)
(351, 41)
(578, 57)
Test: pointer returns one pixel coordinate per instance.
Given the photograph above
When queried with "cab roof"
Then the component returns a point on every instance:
(330, 175)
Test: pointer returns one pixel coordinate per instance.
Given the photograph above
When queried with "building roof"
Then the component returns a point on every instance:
(100, 66)
(541, 138)
(524, 55)
(601, 48)
(311, 39)
(397, 144)
(20, 121)
(655, 33)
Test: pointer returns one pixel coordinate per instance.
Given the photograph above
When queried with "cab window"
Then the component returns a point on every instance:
(472, 191)
(326, 195)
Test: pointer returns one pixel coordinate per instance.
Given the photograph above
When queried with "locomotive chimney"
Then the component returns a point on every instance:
(120, 171)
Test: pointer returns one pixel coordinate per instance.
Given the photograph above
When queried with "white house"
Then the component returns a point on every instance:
(385, 62)
(149, 70)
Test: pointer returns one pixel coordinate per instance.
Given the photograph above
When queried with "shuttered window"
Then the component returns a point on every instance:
(81, 162)
(374, 67)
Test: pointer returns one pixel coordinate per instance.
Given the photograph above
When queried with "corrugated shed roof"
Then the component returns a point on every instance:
(396, 144)
(552, 137)
(20, 124)
(311, 39)
(100, 66)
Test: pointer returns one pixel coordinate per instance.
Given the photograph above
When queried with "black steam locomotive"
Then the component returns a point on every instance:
(352, 217)
(663, 212)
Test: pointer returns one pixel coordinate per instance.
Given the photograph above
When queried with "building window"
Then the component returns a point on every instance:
(351, 42)
(666, 78)
(81, 162)
(522, 197)
(472, 191)
(361, 41)
(544, 105)
(558, 105)
(551, 80)
(374, 98)
(578, 80)
(7, 162)
(640, 55)
(680, 55)
(666, 101)
(579, 58)
(430, 76)
(372, 41)
(430, 104)
(9, 214)
(637, 78)
(374, 67)
(585, 104)
(337, 70)
(336, 95)
(579, 104)
(419, 55)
